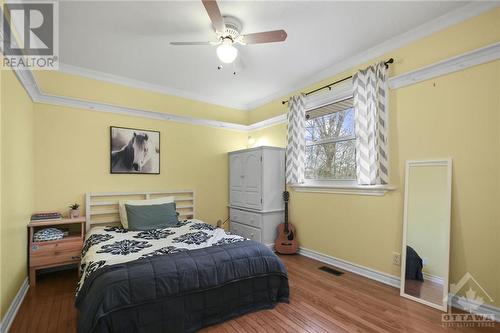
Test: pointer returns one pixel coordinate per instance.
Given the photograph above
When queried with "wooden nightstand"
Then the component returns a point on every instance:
(55, 253)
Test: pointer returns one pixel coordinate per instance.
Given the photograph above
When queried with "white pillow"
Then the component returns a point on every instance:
(123, 210)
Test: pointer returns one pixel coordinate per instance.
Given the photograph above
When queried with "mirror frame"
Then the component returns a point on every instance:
(438, 162)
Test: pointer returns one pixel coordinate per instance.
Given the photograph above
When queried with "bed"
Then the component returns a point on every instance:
(174, 279)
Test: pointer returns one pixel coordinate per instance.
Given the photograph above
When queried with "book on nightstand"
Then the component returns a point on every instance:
(46, 216)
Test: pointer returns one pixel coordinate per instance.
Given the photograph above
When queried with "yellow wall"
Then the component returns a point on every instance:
(70, 149)
(427, 229)
(53, 164)
(17, 184)
(457, 116)
(61, 84)
(269, 136)
(467, 36)
(72, 157)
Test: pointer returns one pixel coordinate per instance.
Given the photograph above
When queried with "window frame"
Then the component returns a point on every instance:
(337, 93)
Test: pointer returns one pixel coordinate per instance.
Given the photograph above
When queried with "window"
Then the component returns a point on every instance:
(330, 142)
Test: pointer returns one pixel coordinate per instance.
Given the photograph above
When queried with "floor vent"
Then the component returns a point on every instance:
(331, 270)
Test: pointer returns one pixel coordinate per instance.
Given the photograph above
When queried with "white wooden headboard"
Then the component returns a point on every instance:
(102, 208)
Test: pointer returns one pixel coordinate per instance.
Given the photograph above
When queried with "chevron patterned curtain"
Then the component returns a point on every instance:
(296, 146)
(370, 92)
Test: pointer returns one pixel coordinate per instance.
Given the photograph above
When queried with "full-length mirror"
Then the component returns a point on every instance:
(426, 232)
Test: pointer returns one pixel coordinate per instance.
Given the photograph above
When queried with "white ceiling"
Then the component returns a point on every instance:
(131, 40)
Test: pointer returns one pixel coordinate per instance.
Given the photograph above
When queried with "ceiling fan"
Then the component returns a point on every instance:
(228, 31)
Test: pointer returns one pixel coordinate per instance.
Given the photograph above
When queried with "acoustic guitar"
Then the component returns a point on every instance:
(286, 242)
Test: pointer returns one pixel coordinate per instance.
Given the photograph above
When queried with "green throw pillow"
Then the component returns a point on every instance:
(151, 216)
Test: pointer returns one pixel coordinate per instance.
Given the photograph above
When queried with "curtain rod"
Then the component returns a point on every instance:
(329, 86)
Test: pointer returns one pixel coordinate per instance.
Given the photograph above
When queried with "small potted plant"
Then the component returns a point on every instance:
(74, 211)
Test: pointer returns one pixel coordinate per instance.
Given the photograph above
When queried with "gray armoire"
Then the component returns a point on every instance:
(256, 184)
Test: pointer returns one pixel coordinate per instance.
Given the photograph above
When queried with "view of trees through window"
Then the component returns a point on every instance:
(330, 146)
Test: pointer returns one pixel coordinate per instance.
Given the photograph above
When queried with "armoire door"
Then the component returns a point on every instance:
(252, 175)
(236, 180)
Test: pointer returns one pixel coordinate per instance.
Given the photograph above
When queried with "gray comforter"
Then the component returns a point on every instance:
(182, 292)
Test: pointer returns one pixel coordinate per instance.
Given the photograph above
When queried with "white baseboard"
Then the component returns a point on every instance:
(351, 267)
(385, 278)
(14, 307)
(388, 279)
(466, 304)
(433, 278)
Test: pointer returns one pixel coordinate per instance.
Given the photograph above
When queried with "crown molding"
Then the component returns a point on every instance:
(459, 15)
(459, 62)
(280, 119)
(137, 84)
(37, 96)
(447, 66)
(102, 107)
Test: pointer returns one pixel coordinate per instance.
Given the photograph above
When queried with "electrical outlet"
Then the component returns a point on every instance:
(396, 258)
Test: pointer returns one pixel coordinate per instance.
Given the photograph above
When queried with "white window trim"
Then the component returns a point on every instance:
(337, 93)
(341, 187)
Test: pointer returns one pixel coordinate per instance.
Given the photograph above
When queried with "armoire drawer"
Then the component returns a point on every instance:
(245, 231)
(244, 217)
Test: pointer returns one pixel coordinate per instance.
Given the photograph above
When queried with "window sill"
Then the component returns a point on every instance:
(373, 190)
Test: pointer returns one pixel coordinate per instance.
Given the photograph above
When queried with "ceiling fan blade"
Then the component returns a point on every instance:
(264, 37)
(215, 16)
(193, 43)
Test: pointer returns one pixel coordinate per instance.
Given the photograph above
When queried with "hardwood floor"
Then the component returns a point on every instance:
(426, 290)
(320, 302)
(49, 307)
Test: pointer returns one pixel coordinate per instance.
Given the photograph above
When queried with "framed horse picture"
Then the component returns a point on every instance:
(134, 151)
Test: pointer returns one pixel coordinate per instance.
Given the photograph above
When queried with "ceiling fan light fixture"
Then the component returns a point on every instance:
(226, 52)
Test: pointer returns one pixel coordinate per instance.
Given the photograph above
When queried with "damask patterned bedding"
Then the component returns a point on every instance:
(176, 279)
(106, 246)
